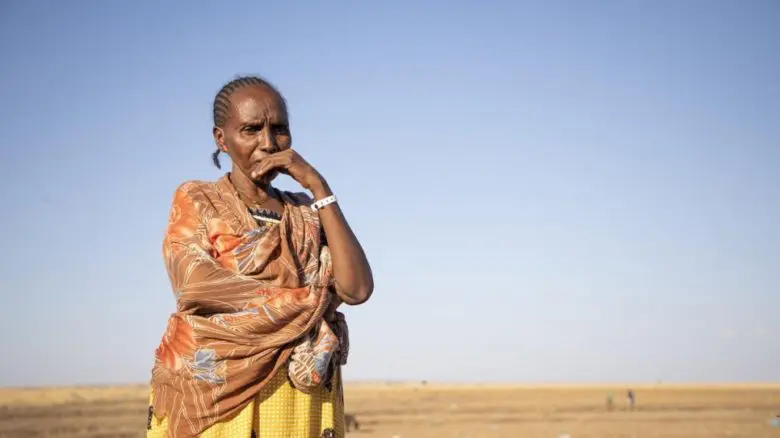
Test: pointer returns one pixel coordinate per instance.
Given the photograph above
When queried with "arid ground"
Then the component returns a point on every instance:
(436, 410)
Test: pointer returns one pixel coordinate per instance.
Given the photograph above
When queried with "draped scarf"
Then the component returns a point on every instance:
(251, 300)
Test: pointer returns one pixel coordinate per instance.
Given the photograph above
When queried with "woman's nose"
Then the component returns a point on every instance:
(268, 141)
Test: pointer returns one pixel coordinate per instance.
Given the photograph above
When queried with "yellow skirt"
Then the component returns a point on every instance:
(278, 411)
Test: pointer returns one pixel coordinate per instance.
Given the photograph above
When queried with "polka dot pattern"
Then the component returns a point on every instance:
(279, 411)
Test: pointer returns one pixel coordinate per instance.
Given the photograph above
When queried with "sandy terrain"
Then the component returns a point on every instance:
(458, 411)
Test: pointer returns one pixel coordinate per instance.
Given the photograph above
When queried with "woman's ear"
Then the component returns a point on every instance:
(219, 138)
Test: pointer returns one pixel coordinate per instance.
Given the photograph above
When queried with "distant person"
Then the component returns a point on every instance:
(351, 422)
(610, 402)
(631, 399)
(256, 345)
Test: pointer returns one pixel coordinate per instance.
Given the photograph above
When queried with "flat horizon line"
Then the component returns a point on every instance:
(462, 384)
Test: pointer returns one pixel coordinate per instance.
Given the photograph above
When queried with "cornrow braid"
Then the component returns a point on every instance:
(215, 158)
(222, 102)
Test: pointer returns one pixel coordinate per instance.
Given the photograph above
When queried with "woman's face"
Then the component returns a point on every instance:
(256, 127)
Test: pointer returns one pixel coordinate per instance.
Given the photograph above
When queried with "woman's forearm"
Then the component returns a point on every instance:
(354, 280)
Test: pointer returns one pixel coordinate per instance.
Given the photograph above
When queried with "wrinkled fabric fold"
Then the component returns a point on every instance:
(251, 301)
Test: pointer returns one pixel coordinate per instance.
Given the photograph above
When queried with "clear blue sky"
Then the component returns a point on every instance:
(547, 191)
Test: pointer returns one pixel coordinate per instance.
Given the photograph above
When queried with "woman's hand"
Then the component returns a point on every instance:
(290, 163)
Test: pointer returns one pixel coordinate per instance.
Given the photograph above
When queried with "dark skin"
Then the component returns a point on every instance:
(256, 136)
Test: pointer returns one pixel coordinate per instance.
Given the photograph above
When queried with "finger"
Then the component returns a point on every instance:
(285, 154)
(285, 160)
(265, 166)
(269, 163)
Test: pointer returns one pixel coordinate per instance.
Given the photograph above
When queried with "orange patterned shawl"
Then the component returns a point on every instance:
(248, 297)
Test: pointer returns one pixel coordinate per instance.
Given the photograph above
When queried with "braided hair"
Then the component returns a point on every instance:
(222, 102)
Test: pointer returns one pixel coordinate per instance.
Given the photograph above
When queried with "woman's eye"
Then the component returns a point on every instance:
(253, 128)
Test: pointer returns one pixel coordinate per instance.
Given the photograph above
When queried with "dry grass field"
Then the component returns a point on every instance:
(457, 411)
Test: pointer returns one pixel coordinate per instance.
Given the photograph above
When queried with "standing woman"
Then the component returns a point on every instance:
(256, 344)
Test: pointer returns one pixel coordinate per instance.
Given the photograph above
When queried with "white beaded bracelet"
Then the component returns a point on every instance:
(323, 202)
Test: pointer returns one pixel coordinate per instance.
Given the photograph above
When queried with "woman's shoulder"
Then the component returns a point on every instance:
(193, 186)
(196, 192)
(196, 187)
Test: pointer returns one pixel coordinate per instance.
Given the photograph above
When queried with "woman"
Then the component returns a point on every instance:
(256, 345)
